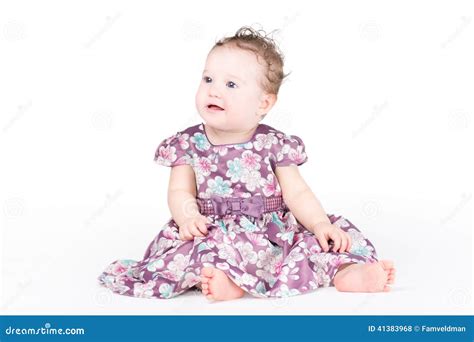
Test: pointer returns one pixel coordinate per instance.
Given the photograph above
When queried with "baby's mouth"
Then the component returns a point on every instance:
(214, 107)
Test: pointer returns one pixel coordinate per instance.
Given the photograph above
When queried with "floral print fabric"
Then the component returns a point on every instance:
(270, 256)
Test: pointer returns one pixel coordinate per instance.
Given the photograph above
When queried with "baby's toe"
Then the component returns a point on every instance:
(391, 278)
(207, 272)
(386, 264)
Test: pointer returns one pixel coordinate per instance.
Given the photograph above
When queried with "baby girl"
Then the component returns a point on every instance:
(243, 218)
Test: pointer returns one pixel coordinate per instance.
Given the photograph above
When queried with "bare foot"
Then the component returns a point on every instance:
(217, 286)
(372, 277)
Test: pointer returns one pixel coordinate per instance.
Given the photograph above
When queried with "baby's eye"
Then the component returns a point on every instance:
(207, 79)
(231, 84)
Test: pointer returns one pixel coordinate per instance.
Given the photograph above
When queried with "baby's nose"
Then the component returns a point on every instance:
(214, 92)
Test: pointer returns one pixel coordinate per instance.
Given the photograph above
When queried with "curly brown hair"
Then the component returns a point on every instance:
(265, 50)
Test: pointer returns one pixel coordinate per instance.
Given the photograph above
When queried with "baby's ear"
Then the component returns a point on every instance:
(266, 103)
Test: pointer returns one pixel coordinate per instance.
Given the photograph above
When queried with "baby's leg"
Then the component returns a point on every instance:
(216, 285)
(362, 277)
(356, 270)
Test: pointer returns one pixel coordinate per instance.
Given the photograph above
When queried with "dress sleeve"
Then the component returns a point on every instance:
(174, 151)
(291, 151)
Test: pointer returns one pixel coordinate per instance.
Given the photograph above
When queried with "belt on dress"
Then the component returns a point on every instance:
(253, 206)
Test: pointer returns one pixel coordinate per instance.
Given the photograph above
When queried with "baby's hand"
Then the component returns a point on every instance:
(193, 226)
(326, 231)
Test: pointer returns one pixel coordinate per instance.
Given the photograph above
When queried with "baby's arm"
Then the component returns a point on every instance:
(308, 211)
(299, 198)
(182, 202)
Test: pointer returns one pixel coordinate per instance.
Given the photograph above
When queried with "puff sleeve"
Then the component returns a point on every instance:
(291, 151)
(174, 151)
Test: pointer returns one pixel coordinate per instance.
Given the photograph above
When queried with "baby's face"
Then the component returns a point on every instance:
(230, 97)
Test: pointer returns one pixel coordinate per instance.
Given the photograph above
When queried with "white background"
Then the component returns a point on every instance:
(381, 94)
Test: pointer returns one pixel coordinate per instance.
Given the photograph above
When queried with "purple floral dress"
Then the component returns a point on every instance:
(270, 256)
